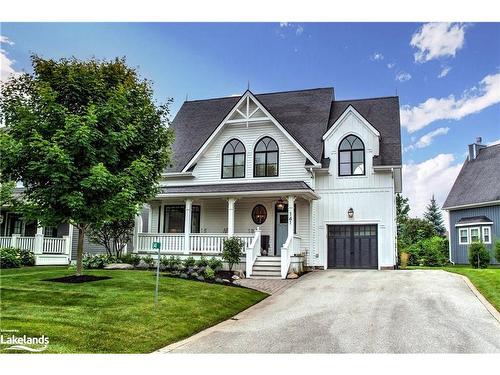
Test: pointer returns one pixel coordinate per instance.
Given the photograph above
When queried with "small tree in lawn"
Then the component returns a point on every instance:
(232, 251)
(497, 250)
(113, 235)
(433, 215)
(479, 257)
(87, 140)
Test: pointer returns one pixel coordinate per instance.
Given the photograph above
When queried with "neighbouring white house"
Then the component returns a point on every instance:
(303, 179)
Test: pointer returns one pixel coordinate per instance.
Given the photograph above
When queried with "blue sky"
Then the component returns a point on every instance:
(441, 115)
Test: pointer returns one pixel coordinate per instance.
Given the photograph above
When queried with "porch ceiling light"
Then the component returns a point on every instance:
(280, 205)
(350, 213)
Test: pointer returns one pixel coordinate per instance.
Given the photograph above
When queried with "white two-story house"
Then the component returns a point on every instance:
(302, 179)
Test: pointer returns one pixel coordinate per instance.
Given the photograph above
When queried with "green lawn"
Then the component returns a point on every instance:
(487, 281)
(116, 315)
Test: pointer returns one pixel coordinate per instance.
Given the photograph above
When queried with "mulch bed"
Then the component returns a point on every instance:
(74, 279)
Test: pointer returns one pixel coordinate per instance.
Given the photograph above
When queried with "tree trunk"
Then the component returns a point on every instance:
(79, 251)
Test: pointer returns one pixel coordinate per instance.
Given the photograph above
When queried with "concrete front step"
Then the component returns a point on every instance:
(267, 268)
(265, 277)
(268, 259)
(266, 273)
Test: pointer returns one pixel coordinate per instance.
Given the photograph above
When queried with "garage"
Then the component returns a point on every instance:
(352, 246)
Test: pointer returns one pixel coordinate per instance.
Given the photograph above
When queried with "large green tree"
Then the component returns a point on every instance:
(435, 217)
(86, 138)
(402, 211)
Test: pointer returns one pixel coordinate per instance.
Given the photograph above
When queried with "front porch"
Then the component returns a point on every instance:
(271, 224)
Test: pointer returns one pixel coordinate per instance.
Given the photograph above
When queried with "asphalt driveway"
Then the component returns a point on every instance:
(351, 311)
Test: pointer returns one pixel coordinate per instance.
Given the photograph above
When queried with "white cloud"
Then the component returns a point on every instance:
(403, 76)
(433, 109)
(444, 71)
(299, 30)
(6, 64)
(376, 56)
(435, 40)
(492, 143)
(284, 24)
(428, 138)
(434, 176)
(287, 28)
(391, 65)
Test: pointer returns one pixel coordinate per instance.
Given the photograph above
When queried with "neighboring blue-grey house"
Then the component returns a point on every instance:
(474, 202)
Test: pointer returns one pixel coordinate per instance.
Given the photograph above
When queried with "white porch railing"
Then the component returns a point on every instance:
(252, 252)
(47, 250)
(5, 241)
(26, 243)
(54, 246)
(209, 243)
(290, 248)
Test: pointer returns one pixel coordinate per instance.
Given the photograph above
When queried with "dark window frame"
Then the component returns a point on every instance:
(351, 162)
(195, 209)
(266, 153)
(253, 213)
(233, 154)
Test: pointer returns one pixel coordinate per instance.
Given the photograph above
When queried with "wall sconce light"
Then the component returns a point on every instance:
(280, 205)
(350, 213)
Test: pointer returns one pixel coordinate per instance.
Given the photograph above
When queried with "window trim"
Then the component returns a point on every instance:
(193, 207)
(478, 234)
(489, 234)
(266, 153)
(351, 161)
(244, 153)
(460, 236)
(253, 211)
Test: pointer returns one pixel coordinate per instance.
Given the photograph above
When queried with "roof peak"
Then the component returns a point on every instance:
(258, 94)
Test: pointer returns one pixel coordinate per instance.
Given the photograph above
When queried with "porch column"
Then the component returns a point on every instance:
(187, 225)
(137, 230)
(291, 217)
(38, 240)
(230, 216)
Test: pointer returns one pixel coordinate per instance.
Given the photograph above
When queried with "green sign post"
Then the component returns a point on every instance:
(157, 246)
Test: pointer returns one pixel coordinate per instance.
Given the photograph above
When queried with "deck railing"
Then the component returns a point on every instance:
(39, 244)
(206, 243)
(54, 246)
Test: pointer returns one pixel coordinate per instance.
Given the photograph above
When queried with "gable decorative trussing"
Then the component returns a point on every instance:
(248, 111)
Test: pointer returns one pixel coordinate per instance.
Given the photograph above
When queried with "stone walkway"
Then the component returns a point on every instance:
(270, 286)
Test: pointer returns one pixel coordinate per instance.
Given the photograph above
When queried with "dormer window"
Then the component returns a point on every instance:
(233, 159)
(351, 156)
(266, 155)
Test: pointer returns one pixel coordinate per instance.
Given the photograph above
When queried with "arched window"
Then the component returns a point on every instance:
(351, 156)
(233, 159)
(266, 158)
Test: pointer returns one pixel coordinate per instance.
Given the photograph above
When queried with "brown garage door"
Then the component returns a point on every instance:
(352, 246)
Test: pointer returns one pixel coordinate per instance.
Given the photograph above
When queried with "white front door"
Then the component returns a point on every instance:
(281, 231)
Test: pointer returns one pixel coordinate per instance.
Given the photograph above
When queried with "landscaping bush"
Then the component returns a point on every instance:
(97, 261)
(27, 257)
(202, 262)
(9, 258)
(209, 273)
(479, 257)
(215, 264)
(132, 259)
(232, 251)
(148, 259)
(497, 251)
(188, 262)
(434, 251)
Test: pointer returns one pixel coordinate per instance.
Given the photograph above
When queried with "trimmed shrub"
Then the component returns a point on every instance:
(188, 262)
(132, 259)
(497, 251)
(215, 264)
(479, 257)
(27, 257)
(97, 261)
(9, 258)
(434, 251)
(209, 273)
(232, 251)
(148, 259)
(202, 262)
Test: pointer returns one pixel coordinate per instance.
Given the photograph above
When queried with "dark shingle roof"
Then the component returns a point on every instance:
(383, 115)
(474, 219)
(478, 180)
(305, 114)
(236, 188)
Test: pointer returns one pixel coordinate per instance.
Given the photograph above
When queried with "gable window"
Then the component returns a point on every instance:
(233, 159)
(174, 219)
(351, 156)
(266, 155)
(463, 236)
(474, 235)
(486, 235)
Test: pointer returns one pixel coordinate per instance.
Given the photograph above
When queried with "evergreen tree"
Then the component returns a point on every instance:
(435, 217)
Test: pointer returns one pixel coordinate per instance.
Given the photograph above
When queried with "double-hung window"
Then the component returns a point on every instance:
(463, 236)
(487, 235)
(474, 235)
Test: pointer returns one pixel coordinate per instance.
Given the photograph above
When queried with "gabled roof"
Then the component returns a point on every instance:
(383, 115)
(478, 181)
(473, 220)
(303, 114)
